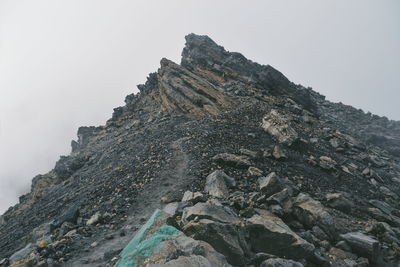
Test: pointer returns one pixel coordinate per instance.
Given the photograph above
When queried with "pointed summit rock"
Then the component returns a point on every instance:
(182, 91)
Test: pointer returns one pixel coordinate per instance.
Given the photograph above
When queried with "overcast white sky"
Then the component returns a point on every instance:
(64, 64)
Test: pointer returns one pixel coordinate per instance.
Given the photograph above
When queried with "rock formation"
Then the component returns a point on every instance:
(217, 161)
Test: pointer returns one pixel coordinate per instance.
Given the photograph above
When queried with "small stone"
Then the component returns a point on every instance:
(167, 199)
(366, 171)
(94, 244)
(270, 184)
(327, 163)
(253, 171)
(71, 233)
(346, 170)
(42, 243)
(249, 153)
(232, 160)
(94, 219)
(277, 153)
(193, 197)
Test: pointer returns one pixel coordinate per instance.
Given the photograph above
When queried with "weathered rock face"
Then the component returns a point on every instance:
(202, 52)
(182, 91)
(250, 169)
(279, 126)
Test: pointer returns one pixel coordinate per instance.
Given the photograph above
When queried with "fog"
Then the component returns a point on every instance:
(64, 64)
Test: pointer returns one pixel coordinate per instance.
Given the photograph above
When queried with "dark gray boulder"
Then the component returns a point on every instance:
(311, 212)
(216, 185)
(340, 201)
(363, 245)
(227, 239)
(70, 215)
(269, 234)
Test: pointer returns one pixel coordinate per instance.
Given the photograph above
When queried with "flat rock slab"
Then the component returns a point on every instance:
(211, 212)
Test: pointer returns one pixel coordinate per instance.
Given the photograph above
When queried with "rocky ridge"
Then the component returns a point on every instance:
(239, 167)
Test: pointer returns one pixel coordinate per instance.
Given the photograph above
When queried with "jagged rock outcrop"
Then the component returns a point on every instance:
(274, 175)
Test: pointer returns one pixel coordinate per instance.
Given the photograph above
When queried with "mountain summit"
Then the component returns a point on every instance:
(217, 161)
